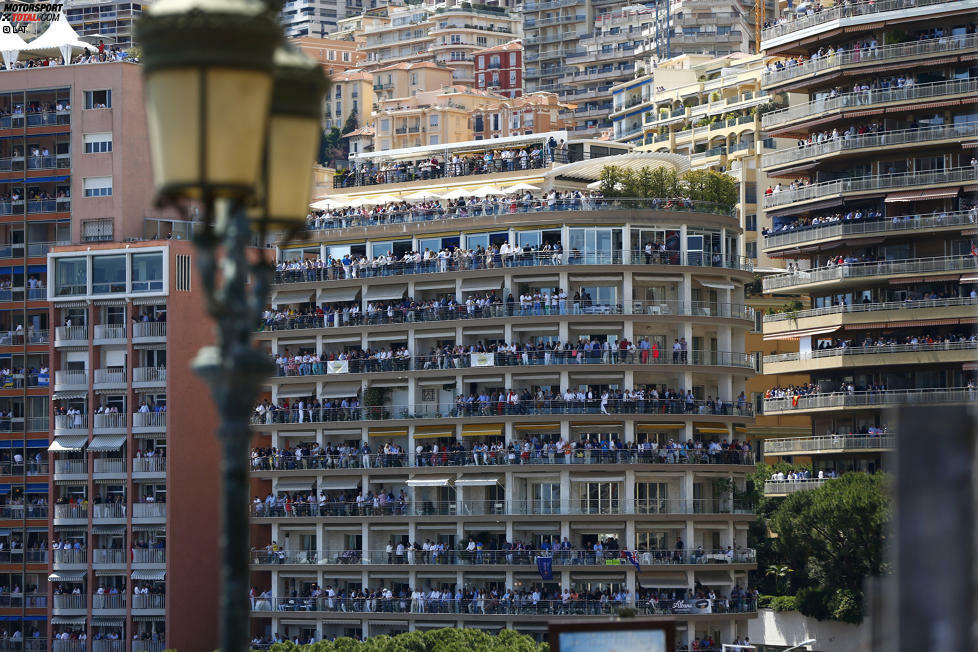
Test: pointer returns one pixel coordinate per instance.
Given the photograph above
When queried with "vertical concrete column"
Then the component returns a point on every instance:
(565, 491)
(626, 294)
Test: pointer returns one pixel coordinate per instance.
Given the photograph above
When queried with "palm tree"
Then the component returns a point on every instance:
(781, 574)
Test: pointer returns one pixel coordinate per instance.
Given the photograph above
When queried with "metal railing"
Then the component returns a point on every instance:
(65, 334)
(422, 507)
(604, 454)
(110, 376)
(148, 646)
(149, 420)
(416, 214)
(149, 601)
(110, 331)
(778, 487)
(108, 645)
(576, 557)
(843, 143)
(77, 422)
(833, 443)
(108, 510)
(496, 409)
(869, 97)
(35, 645)
(840, 351)
(846, 10)
(894, 224)
(527, 358)
(17, 338)
(401, 315)
(918, 304)
(880, 398)
(109, 465)
(151, 556)
(870, 269)
(70, 557)
(871, 56)
(36, 424)
(74, 602)
(109, 556)
(149, 465)
(149, 510)
(110, 421)
(65, 378)
(149, 375)
(109, 601)
(69, 467)
(148, 329)
(485, 607)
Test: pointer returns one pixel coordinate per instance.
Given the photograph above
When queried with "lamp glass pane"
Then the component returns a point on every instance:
(292, 146)
(173, 101)
(237, 108)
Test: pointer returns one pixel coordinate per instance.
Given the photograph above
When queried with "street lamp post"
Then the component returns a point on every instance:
(234, 123)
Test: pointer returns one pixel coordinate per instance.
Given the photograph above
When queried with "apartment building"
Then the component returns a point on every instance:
(333, 54)
(350, 92)
(134, 529)
(406, 79)
(703, 27)
(108, 19)
(321, 566)
(500, 69)
(445, 35)
(873, 209)
(532, 113)
(316, 18)
(434, 117)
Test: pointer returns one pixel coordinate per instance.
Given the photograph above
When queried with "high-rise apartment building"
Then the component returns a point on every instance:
(873, 207)
(436, 426)
(316, 18)
(108, 19)
(134, 496)
(500, 69)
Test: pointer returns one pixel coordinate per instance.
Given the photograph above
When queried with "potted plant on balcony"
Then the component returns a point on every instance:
(373, 401)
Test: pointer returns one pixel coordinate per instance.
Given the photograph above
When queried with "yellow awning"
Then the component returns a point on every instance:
(661, 426)
(537, 426)
(592, 424)
(435, 435)
(387, 433)
(713, 431)
(483, 430)
(429, 429)
(740, 429)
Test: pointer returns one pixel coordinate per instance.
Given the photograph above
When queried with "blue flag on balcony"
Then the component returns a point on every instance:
(546, 567)
(632, 558)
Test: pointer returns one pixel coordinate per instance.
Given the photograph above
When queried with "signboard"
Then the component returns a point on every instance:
(338, 367)
(624, 635)
(694, 606)
(482, 360)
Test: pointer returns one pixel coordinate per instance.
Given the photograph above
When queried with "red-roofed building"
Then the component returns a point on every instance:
(500, 69)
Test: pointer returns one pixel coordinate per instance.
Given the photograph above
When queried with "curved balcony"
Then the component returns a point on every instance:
(787, 487)
(869, 185)
(903, 138)
(867, 356)
(829, 444)
(421, 316)
(497, 409)
(853, 14)
(493, 362)
(454, 508)
(820, 109)
(870, 400)
(896, 224)
(915, 52)
(860, 271)
(961, 306)
(481, 558)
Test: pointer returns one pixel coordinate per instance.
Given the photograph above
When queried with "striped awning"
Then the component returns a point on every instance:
(916, 195)
(149, 575)
(651, 427)
(486, 430)
(67, 576)
(378, 432)
(794, 335)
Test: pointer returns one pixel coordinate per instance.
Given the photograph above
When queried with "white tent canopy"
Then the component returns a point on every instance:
(10, 44)
(58, 38)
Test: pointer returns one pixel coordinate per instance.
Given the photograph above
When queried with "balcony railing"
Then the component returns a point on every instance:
(494, 409)
(148, 330)
(838, 352)
(149, 465)
(870, 97)
(149, 510)
(109, 556)
(148, 601)
(920, 304)
(900, 180)
(72, 422)
(828, 443)
(521, 607)
(70, 467)
(70, 511)
(502, 557)
(141, 556)
(784, 487)
(502, 507)
(501, 458)
(110, 421)
(147, 421)
(870, 141)
(842, 11)
(109, 465)
(872, 399)
(871, 269)
(110, 331)
(110, 376)
(872, 57)
(62, 557)
(35, 645)
(58, 645)
(64, 378)
(148, 646)
(108, 510)
(149, 376)
(70, 602)
(74, 335)
(894, 224)
(106, 645)
(18, 512)
(109, 601)
(501, 310)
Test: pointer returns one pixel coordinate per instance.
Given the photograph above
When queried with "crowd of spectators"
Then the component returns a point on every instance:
(883, 341)
(102, 54)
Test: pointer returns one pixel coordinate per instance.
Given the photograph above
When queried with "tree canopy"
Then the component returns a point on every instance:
(700, 185)
(437, 640)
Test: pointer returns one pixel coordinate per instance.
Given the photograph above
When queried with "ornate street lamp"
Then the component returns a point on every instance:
(233, 118)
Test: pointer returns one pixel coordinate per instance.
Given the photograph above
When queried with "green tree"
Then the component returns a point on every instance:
(438, 640)
(351, 123)
(836, 534)
(781, 574)
(711, 186)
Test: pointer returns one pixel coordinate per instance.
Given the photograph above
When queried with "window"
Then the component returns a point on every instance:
(456, 39)
(751, 249)
(331, 55)
(346, 57)
(99, 230)
(385, 125)
(515, 122)
(183, 272)
(433, 120)
(97, 186)
(482, 80)
(512, 58)
(339, 92)
(433, 140)
(70, 276)
(147, 272)
(750, 222)
(108, 274)
(512, 77)
(480, 62)
(98, 99)
(96, 143)
(414, 79)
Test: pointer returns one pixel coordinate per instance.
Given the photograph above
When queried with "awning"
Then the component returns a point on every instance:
(108, 529)
(969, 279)
(151, 575)
(339, 391)
(532, 426)
(296, 391)
(717, 286)
(339, 294)
(915, 195)
(400, 432)
(901, 324)
(435, 285)
(435, 435)
(67, 620)
(385, 292)
(713, 431)
(600, 478)
(476, 284)
(293, 296)
(794, 335)
(338, 483)
(67, 576)
(69, 443)
(71, 394)
(865, 112)
(478, 482)
(103, 443)
(652, 427)
(479, 430)
(539, 279)
(429, 482)
(103, 621)
(295, 485)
